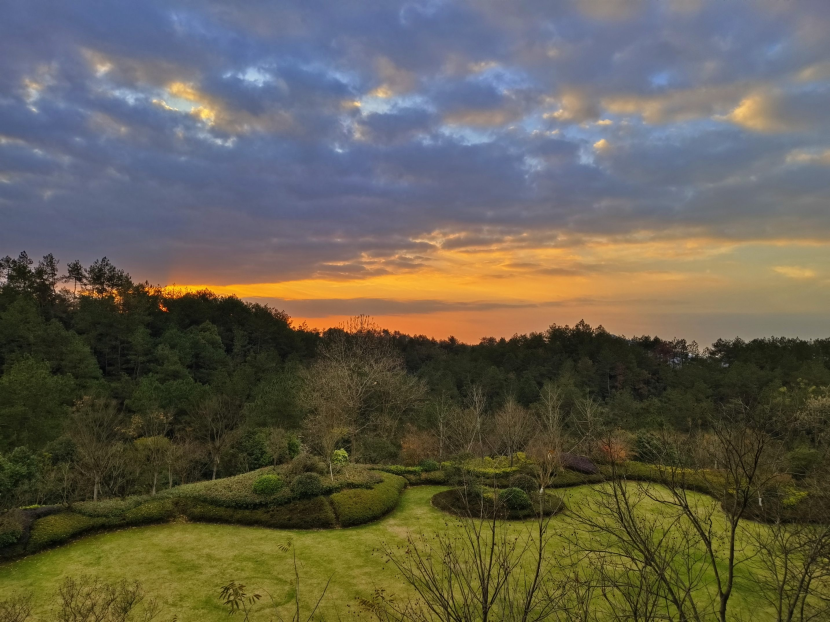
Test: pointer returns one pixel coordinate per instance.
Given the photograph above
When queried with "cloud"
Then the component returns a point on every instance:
(795, 272)
(283, 141)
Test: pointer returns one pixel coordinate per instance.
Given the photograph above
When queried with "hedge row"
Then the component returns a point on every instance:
(476, 502)
(28, 531)
(238, 492)
(355, 507)
(313, 513)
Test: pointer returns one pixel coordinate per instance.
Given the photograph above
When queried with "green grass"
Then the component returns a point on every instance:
(185, 564)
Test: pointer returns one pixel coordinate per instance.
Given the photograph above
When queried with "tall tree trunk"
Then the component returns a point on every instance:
(155, 481)
(215, 465)
(95, 489)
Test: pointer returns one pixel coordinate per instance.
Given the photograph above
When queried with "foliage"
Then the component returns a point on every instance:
(307, 485)
(802, 460)
(268, 484)
(340, 457)
(524, 482)
(481, 503)
(428, 465)
(514, 499)
(305, 463)
(11, 528)
(358, 506)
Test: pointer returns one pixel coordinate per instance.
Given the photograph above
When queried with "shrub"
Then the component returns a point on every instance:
(397, 469)
(59, 528)
(433, 477)
(460, 504)
(268, 484)
(340, 457)
(11, 528)
(524, 482)
(358, 506)
(515, 499)
(429, 465)
(304, 463)
(307, 485)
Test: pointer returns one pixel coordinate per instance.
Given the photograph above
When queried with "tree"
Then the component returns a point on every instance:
(480, 571)
(513, 428)
(358, 383)
(216, 425)
(93, 427)
(152, 443)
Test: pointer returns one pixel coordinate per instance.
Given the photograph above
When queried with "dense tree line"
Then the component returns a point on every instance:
(111, 386)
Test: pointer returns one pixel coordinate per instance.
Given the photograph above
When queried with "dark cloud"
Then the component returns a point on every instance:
(265, 141)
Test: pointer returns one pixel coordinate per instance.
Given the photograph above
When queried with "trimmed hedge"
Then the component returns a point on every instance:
(59, 528)
(109, 508)
(313, 513)
(355, 507)
(467, 505)
(514, 499)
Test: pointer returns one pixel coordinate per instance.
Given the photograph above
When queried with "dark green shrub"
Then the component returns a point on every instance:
(524, 482)
(11, 528)
(515, 499)
(429, 465)
(802, 460)
(307, 485)
(268, 484)
(59, 528)
(253, 450)
(357, 506)
(459, 503)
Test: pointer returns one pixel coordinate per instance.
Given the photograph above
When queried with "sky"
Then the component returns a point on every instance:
(477, 168)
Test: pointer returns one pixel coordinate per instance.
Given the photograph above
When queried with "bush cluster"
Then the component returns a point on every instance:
(267, 485)
(514, 499)
(307, 485)
(429, 465)
(355, 507)
(59, 528)
(304, 463)
(466, 502)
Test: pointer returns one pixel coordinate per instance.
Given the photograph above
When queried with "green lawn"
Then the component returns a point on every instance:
(184, 565)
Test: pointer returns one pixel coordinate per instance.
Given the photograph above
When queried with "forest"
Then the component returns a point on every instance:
(167, 365)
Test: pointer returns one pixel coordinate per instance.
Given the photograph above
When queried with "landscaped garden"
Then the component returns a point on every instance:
(184, 564)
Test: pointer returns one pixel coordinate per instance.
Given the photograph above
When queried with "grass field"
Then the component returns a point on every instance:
(183, 565)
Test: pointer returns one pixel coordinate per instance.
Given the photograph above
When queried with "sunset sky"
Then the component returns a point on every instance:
(472, 168)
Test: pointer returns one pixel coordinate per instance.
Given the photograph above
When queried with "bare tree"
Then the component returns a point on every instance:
(442, 409)
(216, 425)
(91, 599)
(358, 383)
(513, 428)
(93, 427)
(276, 440)
(16, 608)
(479, 571)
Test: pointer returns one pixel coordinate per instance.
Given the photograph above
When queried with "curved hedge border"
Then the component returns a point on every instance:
(454, 502)
(358, 506)
(29, 531)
